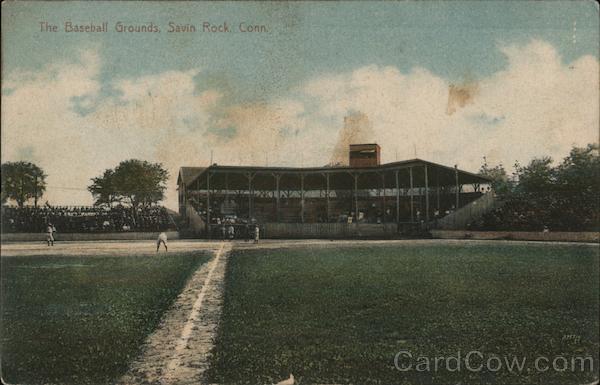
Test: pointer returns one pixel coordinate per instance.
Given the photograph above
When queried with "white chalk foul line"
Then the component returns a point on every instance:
(186, 333)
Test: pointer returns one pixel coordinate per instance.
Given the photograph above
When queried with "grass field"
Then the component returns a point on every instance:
(80, 320)
(340, 315)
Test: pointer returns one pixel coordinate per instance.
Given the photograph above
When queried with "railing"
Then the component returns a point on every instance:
(329, 230)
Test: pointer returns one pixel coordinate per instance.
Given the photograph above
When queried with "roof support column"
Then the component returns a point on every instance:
(412, 208)
(356, 196)
(397, 199)
(457, 187)
(437, 190)
(208, 232)
(426, 196)
(302, 197)
(383, 187)
(277, 197)
(327, 195)
(182, 199)
(250, 193)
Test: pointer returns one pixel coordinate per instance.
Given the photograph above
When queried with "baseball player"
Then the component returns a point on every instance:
(50, 230)
(162, 238)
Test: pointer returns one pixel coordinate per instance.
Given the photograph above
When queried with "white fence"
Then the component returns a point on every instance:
(329, 230)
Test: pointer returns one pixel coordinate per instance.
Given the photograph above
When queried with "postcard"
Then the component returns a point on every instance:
(307, 192)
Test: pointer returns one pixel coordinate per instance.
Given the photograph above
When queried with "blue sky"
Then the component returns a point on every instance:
(451, 39)
(230, 87)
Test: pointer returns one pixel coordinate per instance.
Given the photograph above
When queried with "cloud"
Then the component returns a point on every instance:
(41, 115)
(38, 119)
(545, 106)
(62, 117)
(535, 106)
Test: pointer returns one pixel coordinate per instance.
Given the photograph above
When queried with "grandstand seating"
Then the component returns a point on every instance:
(83, 219)
(371, 208)
(544, 211)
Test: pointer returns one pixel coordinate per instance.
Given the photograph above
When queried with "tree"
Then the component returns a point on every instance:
(580, 170)
(537, 176)
(500, 181)
(22, 181)
(133, 182)
(103, 190)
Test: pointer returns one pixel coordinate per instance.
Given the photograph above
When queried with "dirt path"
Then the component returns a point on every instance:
(124, 248)
(102, 248)
(178, 351)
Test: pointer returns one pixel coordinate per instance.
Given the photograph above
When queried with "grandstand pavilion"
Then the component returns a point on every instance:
(365, 192)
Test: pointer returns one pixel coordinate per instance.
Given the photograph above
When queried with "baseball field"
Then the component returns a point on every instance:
(362, 312)
(69, 319)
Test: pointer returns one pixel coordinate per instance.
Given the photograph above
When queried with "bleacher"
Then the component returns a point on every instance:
(371, 209)
(85, 219)
(549, 211)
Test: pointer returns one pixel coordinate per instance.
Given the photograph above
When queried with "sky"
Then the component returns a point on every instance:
(450, 82)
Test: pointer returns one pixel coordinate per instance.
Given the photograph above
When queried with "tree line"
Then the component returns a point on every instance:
(134, 183)
(138, 183)
(578, 173)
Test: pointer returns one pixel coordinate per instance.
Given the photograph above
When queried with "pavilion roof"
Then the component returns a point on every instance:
(263, 178)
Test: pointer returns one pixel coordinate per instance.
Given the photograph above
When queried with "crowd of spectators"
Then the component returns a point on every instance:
(542, 212)
(83, 219)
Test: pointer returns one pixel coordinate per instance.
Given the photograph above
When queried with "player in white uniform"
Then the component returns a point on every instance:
(256, 233)
(50, 230)
(162, 238)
